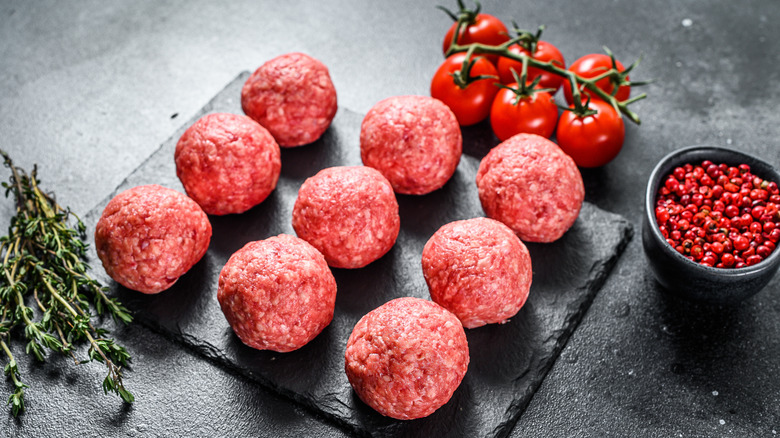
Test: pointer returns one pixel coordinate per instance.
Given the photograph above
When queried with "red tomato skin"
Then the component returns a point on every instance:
(537, 114)
(472, 104)
(545, 52)
(592, 141)
(487, 29)
(593, 65)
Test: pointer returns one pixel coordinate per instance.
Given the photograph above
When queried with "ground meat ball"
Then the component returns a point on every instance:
(529, 184)
(149, 236)
(227, 163)
(414, 141)
(293, 97)
(350, 214)
(407, 357)
(277, 294)
(477, 269)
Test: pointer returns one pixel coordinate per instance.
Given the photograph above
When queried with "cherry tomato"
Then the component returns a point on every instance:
(591, 66)
(545, 52)
(511, 114)
(592, 140)
(471, 104)
(486, 29)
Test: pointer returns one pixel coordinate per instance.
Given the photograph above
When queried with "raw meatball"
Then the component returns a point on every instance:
(477, 269)
(227, 163)
(407, 357)
(149, 236)
(414, 141)
(293, 97)
(529, 184)
(350, 214)
(277, 294)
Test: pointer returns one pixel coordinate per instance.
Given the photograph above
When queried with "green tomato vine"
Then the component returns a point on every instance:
(528, 40)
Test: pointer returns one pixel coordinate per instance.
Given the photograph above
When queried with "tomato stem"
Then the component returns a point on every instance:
(462, 78)
(523, 90)
(464, 18)
(528, 40)
(466, 15)
(581, 109)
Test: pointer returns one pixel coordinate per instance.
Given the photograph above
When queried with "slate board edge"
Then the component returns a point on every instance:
(205, 109)
(593, 286)
(209, 352)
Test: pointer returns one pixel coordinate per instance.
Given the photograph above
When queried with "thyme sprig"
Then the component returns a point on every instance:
(45, 288)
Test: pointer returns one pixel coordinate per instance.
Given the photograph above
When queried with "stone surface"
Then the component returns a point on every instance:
(508, 362)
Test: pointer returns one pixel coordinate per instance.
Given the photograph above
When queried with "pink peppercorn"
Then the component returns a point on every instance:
(719, 215)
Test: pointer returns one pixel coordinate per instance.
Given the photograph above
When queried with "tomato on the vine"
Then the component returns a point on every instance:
(590, 66)
(483, 29)
(591, 140)
(471, 104)
(545, 52)
(513, 113)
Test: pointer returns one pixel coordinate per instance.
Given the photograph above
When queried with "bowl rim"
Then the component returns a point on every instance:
(679, 156)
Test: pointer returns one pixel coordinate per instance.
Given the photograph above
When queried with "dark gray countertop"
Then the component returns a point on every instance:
(89, 90)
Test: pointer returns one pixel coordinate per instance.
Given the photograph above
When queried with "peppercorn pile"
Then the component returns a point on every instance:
(719, 215)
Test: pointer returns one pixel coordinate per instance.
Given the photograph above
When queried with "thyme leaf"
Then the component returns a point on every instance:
(46, 291)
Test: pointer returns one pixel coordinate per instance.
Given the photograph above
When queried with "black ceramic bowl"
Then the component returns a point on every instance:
(687, 278)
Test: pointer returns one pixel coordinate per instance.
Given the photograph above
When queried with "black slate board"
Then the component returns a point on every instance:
(508, 362)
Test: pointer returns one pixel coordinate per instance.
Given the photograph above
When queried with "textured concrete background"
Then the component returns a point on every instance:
(89, 89)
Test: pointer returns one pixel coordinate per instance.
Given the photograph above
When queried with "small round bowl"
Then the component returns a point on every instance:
(684, 277)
